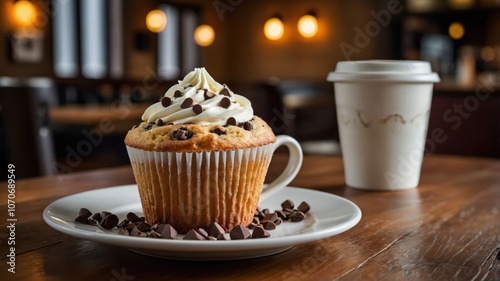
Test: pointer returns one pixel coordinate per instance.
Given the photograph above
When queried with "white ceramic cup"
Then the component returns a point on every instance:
(291, 169)
(383, 111)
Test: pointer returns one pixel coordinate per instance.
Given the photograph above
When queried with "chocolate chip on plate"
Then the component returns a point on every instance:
(143, 226)
(269, 225)
(84, 212)
(193, 235)
(304, 207)
(82, 219)
(97, 217)
(109, 221)
(154, 234)
(239, 232)
(222, 236)
(137, 232)
(214, 229)
(288, 204)
(297, 216)
(260, 232)
(167, 231)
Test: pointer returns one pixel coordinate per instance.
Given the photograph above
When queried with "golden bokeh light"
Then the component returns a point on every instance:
(156, 21)
(24, 12)
(204, 35)
(308, 26)
(274, 29)
(456, 30)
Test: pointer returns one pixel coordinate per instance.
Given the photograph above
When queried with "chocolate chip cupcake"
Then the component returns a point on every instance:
(200, 156)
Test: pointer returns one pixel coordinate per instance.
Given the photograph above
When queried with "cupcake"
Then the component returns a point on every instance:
(200, 156)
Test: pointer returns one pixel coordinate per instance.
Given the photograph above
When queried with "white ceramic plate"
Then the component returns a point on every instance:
(329, 216)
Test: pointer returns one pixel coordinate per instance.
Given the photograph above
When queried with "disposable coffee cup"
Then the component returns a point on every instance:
(383, 111)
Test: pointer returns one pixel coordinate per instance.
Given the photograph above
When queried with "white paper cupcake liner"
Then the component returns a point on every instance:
(193, 189)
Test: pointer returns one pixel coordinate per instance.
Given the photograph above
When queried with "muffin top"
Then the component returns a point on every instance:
(199, 114)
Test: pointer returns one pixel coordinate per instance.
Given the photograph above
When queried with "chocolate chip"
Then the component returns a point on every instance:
(82, 219)
(211, 238)
(104, 214)
(84, 212)
(256, 220)
(225, 102)
(193, 235)
(266, 211)
(131, 216)
(167, 231)
(222, 236)
(93, 222)
(288, 212)
(182, 134)
(287, 204)
(97, 217)
(278, 221)
(218, 131)
(225, 92)
(260, 232)
(166, 101)
(143, 226)
(123, 223)
(281, 214)
(137, 232)
(214, 229)
(239, 232)
(247, 126)
(197, 108)
(297, 216)
(203, 232)
(270, 217)
(208, 95)
(154, 234)
(149, 127)
(269, 225)
(159, 123)
(177, 94)
(231, 121)
(188, 102)
(304, 207)
(110, 221)
(130, 226)
(253, 225)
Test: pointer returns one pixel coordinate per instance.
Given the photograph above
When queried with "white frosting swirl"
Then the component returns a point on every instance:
(194, 86)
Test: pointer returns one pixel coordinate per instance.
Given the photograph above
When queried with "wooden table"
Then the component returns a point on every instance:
(448, 228)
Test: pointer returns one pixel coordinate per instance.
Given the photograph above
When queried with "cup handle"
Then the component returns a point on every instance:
(291, 169)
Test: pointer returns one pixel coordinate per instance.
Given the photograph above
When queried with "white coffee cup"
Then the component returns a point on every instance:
(383, 111)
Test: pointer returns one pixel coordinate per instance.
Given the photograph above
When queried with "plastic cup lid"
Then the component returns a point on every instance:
(383, 70)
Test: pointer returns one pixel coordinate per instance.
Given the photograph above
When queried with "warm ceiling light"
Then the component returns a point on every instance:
(24, 12)
(204, 35)
(308, 26)
(456, 30)
(156, 20)
(274, 29)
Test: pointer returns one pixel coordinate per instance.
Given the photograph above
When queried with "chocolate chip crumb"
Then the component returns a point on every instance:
(166, 101)
(188, 102)
(231, 121)
(225, 102)
(177, 94)
(197, 108)
(182, 134)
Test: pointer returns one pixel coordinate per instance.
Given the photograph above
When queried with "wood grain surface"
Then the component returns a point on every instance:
(446, 229)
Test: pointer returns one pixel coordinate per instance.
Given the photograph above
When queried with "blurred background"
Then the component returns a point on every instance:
(76, 75)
